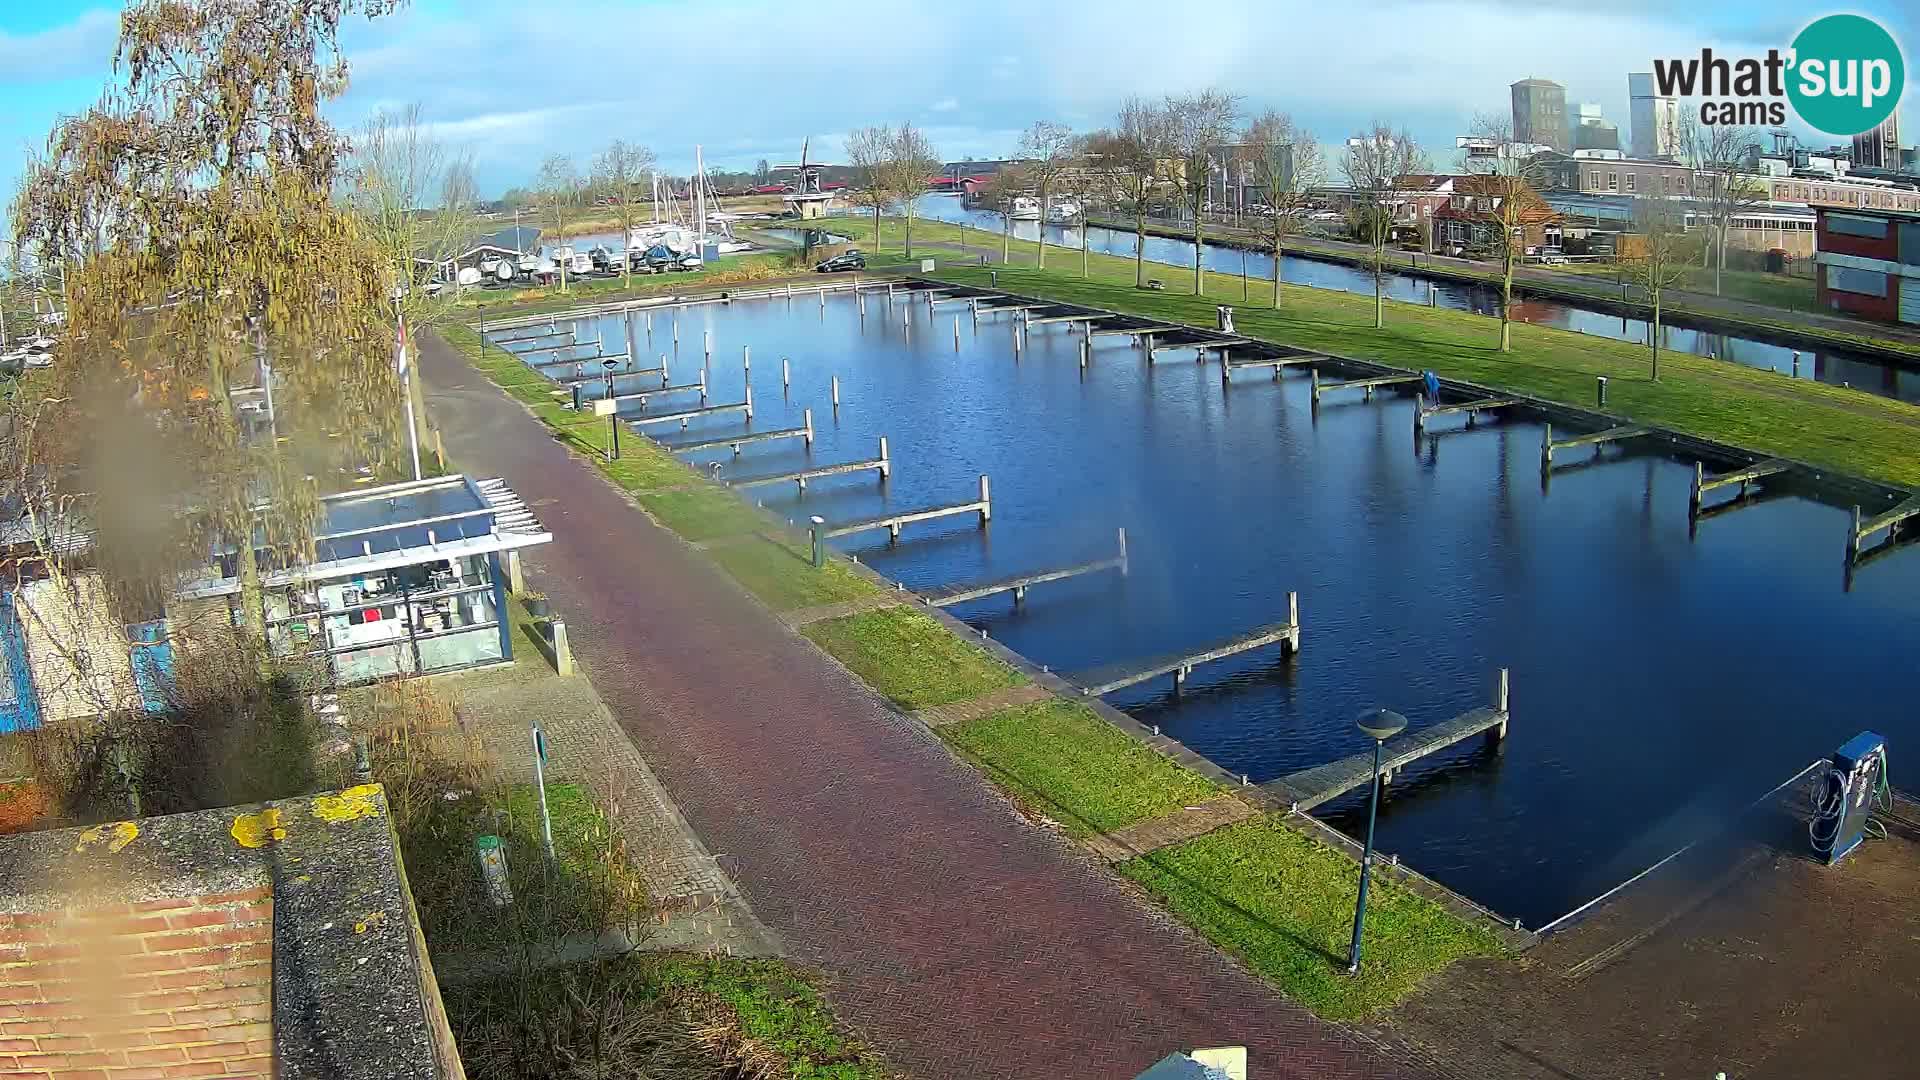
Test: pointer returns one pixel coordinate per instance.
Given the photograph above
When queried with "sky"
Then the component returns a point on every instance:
(512, 82)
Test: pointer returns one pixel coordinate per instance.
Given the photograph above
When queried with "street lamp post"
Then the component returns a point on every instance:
(1378, 725)
(613, 416)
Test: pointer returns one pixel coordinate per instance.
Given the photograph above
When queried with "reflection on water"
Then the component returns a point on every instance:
(1657, 681)
(1831, 366)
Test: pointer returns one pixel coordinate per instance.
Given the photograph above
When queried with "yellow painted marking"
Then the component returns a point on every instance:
(114, 834)
(355, 802)
(258, 830)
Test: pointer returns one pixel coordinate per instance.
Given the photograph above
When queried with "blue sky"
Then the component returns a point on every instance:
(515, 81)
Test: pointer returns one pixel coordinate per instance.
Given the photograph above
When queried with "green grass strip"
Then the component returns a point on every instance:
(785, 578)
(1059, 758)
(910, 658)
(1283, 903)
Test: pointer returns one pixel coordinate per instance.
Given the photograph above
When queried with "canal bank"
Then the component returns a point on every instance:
(1687, 308)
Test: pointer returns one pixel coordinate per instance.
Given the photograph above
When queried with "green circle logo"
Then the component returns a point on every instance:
(1847, 74)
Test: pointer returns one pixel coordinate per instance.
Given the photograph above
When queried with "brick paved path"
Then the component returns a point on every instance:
(961, 941)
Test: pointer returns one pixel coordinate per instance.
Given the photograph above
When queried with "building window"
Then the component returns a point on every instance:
(1848, 225)
(1864, 282)
(1593, 180)
(1909, 243)
(1613, 181)
(1630, 179)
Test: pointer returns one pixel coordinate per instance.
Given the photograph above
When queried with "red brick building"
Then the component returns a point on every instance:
(1470, 219)
(1869, 263)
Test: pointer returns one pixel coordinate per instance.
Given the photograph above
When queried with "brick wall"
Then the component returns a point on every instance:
(156, 990)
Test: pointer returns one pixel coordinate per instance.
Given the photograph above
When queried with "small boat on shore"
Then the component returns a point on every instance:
(1025, 209)
(1064, 212)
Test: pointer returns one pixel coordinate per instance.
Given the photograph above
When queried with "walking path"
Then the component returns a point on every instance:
(960, 940)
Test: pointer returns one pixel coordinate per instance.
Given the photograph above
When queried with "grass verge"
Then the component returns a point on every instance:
(910, 658)
(1283, 903)
(1059, 758)
(784, 578)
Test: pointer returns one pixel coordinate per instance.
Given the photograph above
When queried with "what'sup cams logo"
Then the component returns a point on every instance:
(1843, 75)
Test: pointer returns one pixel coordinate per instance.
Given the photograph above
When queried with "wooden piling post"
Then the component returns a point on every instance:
(807, 415)
(649, 326)
(1693, 500)
(676, 331)
(1293, 622)
(1546, 447)
(836, 393)
(1019, 595)
(886, 463)
(1316, 385)
(906, 315)
(1501, 685)
(746, 358)
(986, 501)
(703, 387)
(663, 369)
(749, 404)
(1016, 339)
(1419, 412)
(786, 373)
(1084, 354)
(956, 332)
(1853, 538)
(707, 341)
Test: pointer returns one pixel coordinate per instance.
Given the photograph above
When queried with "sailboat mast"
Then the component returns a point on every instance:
(700, 198)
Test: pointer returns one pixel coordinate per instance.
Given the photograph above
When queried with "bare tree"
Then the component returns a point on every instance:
(1047, 151)
(1665, 257)
(1199, 127)
(622, 170)
(909, 161)
(1376, 160)
(1128, 164)
(559, 188)
(867, 151)
(1285, 163)
(395, 174)
(1502, 191)
(999, 191)
(1723, 187)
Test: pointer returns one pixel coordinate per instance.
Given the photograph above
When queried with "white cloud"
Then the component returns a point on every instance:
(85, 44)
(945, 104)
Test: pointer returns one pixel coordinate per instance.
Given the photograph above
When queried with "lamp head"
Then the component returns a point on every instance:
(1380, 724)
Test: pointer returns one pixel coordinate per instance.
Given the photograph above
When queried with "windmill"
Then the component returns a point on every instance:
(807, 199)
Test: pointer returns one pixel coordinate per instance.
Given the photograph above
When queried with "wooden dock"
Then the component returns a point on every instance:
(623, 373)
(642, 396)
(882, 465)
(555, 348)
(1286, 635)
(503, 342)
(1368, 384)
(1594, 439)
(737, 441)
(1078, 316)
(1019, 583)
(1422, 412)
(1134, 331)
(988, 309)
(685, 415)
(1279, 362)
(1759, 470)
(893, 522)
(1890, 520)
(1309, 788)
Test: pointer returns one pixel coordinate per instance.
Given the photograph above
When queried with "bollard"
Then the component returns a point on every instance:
(576, 397)
(993, 277)
(562, 652)
(1433, 295)
(1796, 363)
(886, 463)
(836, 392)
(819, 542)
(986, 501)
(807, 416)
(1600, 390)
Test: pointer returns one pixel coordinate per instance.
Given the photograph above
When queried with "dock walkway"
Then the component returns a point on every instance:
(1309, 788)
(893, 522)
(1104, 681)
(1019, 583)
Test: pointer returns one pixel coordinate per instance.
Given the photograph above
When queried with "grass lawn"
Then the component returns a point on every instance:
(703, 512)
(1765, 412)
(785, 578)
(910, 658)
(1284, 903)
(1059, 758)
(532, 299)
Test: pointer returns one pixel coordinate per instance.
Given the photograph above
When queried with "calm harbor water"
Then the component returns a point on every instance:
(1657, 682)
(1831, 366)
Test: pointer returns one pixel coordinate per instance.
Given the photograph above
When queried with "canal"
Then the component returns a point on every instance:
(1658, 682)
(1831, 366)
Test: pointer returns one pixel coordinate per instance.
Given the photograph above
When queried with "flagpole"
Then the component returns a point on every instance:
(406, 388)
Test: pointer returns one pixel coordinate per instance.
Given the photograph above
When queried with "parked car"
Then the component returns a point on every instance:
(846, 260)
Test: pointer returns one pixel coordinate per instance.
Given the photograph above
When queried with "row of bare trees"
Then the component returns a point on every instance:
(891, 165)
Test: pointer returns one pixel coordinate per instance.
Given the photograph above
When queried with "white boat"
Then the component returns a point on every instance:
(1025, 209)
(468, 276)
(580, 264)
(1064, 212)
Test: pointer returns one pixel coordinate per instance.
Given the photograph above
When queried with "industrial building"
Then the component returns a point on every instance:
(1869, 263)
(1540, 114)
(1653, 121)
